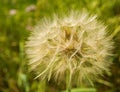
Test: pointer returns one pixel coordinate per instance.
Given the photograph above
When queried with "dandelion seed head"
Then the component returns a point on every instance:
(76, 42)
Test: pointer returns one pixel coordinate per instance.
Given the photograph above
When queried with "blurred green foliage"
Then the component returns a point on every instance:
(17, 19)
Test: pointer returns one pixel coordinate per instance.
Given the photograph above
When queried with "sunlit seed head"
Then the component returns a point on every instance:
(76, 43)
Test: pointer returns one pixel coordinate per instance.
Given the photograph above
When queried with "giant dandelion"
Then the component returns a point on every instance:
(74, 46)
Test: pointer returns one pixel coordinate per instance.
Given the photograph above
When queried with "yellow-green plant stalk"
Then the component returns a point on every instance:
(75, 44)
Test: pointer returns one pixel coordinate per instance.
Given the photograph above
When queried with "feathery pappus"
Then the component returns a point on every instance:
(75, 43)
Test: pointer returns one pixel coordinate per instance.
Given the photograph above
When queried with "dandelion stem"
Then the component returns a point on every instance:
(69, 77)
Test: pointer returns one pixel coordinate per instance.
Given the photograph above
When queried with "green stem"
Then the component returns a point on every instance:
(69, 88)
(69, 82)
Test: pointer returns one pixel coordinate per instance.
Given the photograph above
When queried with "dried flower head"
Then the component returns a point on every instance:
(76, 44)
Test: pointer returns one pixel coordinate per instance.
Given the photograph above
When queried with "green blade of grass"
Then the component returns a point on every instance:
(83, 90)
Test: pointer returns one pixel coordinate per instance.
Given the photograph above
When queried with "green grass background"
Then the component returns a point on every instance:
(14, 30)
